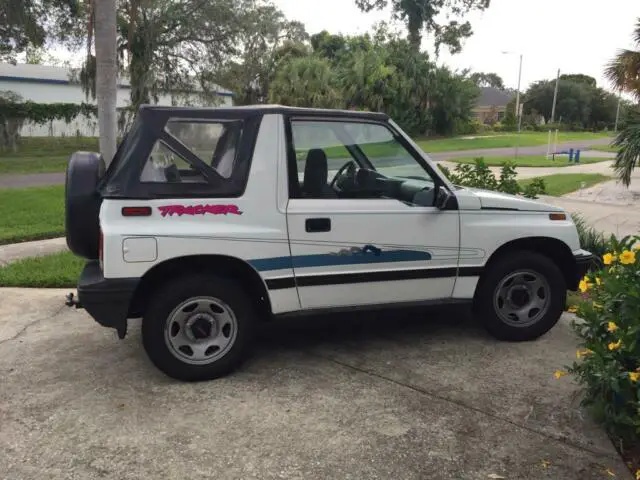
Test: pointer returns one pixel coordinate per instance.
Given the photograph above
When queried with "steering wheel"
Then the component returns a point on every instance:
(346, 175)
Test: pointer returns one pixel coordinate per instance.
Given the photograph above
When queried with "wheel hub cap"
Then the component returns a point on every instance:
(522, 298)
(200, 330)
(200, 327)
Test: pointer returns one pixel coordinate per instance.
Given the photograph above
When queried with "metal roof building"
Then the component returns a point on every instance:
(48, 84)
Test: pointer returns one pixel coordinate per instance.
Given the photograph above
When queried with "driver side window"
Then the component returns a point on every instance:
(333, 159)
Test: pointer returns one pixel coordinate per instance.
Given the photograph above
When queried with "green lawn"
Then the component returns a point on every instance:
(31, 213)
(531, 161)
(44, 154)
(496, 140)
(26, 164)
(605, 148)
(55, 270)
(563, 183)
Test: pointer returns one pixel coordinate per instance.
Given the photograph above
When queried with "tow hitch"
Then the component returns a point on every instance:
(71, 301)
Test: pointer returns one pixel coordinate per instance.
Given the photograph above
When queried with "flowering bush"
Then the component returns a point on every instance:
(608, 361)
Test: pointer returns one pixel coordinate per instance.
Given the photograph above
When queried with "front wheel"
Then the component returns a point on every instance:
(521, 296)
(198, 328)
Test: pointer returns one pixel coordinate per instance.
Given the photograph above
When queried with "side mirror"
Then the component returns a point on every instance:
(445, 200)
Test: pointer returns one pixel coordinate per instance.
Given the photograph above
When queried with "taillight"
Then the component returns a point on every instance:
(136, 211)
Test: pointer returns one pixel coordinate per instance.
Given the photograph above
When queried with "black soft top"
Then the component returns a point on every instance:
(249, 110)
(122, 178)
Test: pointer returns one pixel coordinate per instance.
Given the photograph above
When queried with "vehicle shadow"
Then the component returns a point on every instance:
(305, 332)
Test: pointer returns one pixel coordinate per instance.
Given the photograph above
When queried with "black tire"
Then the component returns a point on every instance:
(174, 293)
(82, 203)
(516, 261)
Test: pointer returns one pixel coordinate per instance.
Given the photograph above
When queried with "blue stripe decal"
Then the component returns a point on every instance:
(354, 257)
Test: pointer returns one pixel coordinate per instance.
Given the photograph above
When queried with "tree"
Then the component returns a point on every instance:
(106, 75)
(579, 78)
(579, 101)
(624, 73)
(266, 38)
(169, 46)
(419, 15)
(307, 82)
(482, 79)
(30, 23)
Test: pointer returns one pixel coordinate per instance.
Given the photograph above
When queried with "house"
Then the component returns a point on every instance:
(48, 84)
(491, 106)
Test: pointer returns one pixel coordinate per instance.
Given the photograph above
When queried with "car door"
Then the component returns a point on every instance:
(374, 236)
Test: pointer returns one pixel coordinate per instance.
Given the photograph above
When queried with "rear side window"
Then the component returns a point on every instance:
(188, 148)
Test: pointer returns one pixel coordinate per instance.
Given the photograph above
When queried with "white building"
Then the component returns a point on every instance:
(46, 84)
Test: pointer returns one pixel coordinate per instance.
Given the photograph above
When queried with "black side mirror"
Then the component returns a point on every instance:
(445, 200)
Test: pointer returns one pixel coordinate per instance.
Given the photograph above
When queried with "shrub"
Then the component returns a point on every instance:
(479, 175)
(590, 238)
(608, 361)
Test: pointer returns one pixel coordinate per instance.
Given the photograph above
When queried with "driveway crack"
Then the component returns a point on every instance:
(466, 406)
(24, 329)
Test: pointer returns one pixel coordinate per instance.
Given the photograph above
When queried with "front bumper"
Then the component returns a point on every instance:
(107, 300)
(584, 261)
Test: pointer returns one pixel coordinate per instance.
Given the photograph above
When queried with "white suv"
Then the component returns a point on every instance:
(211, 220)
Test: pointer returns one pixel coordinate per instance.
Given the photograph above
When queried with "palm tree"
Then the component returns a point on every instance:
(624, 72)
(106, 75)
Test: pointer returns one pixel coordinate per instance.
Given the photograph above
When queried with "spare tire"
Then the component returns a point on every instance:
(82, 203)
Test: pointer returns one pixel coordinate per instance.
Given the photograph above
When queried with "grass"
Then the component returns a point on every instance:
(531, 161)
(605, 148)
(44, 154)
(26, 164)
(563, 183)
(56, 270)
(31, 213)
(505, 140)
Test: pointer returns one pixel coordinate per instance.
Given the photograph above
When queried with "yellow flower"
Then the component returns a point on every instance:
(638, 474)
(583, 286)
(627, 257)
(611, 327)
(608, 258)
(559, 374)
(634, 376)
(597, 306)
(615, 345)
(572, 309)
(598, 281)
(583, 353)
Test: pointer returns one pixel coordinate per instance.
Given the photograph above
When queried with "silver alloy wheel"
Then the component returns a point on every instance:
(522, 298)
(200, 330)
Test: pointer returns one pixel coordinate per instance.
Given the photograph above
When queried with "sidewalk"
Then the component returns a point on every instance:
(16, 251)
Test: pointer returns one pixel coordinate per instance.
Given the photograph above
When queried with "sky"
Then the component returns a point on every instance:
(575, 36)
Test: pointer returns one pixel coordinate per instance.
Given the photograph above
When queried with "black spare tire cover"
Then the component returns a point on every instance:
(82, 203)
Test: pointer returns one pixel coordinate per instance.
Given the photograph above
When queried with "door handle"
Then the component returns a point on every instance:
(318, 225)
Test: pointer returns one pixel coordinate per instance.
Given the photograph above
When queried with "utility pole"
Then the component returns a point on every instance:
(518, 93)
(615, 129)
(518, 108)
(555, 98)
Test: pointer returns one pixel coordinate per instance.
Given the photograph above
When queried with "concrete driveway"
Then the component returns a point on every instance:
(384, 395)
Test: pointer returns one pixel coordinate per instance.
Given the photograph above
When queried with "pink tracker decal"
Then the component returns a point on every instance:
(199, 210)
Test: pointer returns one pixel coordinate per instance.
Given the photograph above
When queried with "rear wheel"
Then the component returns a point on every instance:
(521, 296)
(198, 328)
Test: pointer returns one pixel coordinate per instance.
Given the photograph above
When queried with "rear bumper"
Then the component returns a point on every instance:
(584, 261)
(107, 300)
